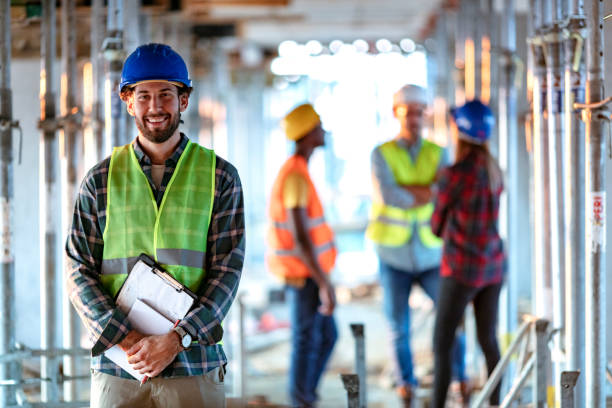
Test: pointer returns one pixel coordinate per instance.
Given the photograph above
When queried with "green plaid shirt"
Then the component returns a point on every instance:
(106, 325)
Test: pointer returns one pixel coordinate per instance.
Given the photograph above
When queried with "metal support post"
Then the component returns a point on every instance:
(542, 225)
(595, 176)
(360, 361)
(351, 385)
(49, 203)
(542, 362)
(568, 382)
(7, 262)
(508, 153)
(114, 54)
(71, 156)
(553, 43)
(574, 195)
(96, 117)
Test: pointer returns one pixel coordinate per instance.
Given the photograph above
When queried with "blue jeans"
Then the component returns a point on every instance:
(397, 285)
(313, 338)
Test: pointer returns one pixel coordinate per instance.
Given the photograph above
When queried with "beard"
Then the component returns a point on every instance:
(159, 135)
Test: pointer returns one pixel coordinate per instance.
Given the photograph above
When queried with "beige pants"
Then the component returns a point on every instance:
(207, 391)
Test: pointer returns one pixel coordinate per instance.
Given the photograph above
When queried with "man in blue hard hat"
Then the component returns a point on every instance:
(404, 170)
(182, 205)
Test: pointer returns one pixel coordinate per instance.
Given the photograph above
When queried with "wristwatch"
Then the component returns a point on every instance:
(184, 336)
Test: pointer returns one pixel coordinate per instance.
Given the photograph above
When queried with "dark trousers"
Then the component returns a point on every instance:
(453, 299)
(313, 339)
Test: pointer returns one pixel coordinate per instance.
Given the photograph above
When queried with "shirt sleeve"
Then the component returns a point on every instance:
(105, 323)
(442, 201)
(385, 188)
(224, 258)
(295, 191)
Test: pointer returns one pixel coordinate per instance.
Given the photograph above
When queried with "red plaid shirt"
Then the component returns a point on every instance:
(465, 216)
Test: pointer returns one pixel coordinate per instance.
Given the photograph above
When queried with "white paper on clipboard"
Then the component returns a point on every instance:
(145, 285)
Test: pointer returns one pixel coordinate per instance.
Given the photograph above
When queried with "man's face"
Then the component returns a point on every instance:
(156, 107)
(410, 116)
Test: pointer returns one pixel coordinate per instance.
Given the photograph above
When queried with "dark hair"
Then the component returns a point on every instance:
(494, 172)
(128, 91)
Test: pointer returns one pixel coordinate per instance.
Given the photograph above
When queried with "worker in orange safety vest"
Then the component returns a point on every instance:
(302, 253)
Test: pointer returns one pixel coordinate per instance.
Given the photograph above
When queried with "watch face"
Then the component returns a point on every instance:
(186, 342)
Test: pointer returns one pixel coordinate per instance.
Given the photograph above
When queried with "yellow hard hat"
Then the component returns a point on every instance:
(300, 121)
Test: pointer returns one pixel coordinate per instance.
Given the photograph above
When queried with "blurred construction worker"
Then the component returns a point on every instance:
(181, 204)
(473, 260)
(403, 171)
(302, 254)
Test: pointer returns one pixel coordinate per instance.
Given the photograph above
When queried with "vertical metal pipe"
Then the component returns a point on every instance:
(508, 159)
(574, 197)
(351, 385)
(554, 50)
(542, 361)
(114, 52)
(595, 177)
(542, 249)
(568, 384)
(360, 361)
(71, 157)
(7, 262)
(50, 210)
(96, 120)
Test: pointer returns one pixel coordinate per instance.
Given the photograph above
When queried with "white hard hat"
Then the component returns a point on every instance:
(410, 94)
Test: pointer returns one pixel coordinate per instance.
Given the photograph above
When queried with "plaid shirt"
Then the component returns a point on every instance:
(465, 216)
(105, 323)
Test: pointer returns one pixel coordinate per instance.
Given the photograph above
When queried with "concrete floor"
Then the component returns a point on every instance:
(267, 368)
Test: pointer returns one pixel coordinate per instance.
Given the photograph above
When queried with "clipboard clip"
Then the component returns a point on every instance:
(168, 278)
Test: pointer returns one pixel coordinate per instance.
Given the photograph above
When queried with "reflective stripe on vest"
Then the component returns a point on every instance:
(284, 259)
(174, 234)
(392, 226)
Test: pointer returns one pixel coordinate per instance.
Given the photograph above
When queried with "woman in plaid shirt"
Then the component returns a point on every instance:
(473, 260)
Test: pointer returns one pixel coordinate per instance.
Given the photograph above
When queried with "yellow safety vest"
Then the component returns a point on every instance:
(393, 226)
(174, 233)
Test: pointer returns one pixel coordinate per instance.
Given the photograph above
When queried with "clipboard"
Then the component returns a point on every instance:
(149, 282)
(152, 300)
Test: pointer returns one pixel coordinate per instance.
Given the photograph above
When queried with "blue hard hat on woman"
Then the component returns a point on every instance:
(475, 121)
(154, 62)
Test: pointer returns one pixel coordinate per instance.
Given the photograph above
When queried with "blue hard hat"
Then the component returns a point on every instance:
(152, 62)
(474, 120)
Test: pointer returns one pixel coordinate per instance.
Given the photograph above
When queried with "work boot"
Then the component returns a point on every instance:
(406, 395)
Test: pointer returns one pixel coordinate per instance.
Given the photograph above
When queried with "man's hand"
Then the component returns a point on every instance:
(128, 341)
(327, 295)
(152, 354)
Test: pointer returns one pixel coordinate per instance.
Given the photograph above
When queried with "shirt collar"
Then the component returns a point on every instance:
(172, 160)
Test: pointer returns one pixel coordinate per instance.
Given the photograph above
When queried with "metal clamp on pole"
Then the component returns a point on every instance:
(597, 111)
(351, 385)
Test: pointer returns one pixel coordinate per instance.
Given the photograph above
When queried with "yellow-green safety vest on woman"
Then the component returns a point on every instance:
(175, 233)
(393, 226)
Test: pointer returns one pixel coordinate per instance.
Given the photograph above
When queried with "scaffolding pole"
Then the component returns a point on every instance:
(96, 118)
(7, 266)
(574, 195)
(595, 177)
(50, 208)
(114, 54)
(553, 38)
(71, 157)
(508, 160)
(542, 250)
